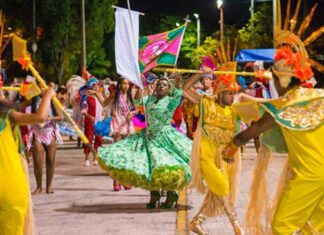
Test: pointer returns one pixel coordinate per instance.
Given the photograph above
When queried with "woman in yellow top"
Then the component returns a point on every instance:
(14, 191)
(216, 127)
(299, 113)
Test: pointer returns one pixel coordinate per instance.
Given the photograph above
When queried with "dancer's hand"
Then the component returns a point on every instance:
(229, 152)
(50, 92)
(207, 70)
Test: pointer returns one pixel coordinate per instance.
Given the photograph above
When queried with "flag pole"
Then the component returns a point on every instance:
(186, 22)
(23, 58)
(130, 18)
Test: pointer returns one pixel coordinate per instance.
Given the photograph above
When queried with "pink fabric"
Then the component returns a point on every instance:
(119, 123)
(44, 134)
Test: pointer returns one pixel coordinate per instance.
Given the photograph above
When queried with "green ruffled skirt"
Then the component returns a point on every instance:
(152, 162)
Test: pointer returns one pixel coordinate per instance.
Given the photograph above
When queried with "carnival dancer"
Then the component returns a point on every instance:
(156, 158)
(14, 188)
(42, 140)
(93, 112)
(299, 114)
(217, 125)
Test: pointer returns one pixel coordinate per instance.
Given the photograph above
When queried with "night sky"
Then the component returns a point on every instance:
(236, 12)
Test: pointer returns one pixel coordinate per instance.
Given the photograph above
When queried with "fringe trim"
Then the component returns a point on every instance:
(234, 174)
(259, 201)
(29, 226)
(212, 206)
(197, 179)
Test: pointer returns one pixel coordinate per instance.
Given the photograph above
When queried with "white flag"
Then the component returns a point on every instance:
(126, 45)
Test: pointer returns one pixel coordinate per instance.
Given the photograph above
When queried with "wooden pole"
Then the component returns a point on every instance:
(173, 70)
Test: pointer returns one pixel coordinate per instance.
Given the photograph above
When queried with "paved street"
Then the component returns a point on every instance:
(85, 204)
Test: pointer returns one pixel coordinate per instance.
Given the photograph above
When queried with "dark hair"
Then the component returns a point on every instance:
(129, 95)
(61, 90)
(34, 105)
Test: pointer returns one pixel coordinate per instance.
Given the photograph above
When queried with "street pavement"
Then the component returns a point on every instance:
(84, 202)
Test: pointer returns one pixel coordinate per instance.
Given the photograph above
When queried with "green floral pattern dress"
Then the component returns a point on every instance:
(157, 157)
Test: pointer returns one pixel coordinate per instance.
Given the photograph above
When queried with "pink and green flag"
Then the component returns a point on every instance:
(160, 49)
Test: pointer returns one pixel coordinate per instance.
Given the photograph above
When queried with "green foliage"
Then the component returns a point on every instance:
(207, 48)
(258, 32)
(59, 49)
(99, 22)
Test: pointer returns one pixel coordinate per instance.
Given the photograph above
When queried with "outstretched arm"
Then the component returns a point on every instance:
(265, 123)
(40, 115)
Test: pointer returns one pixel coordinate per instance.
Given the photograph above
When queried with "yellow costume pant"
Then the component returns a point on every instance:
(300, 200)
(13, 185)
(216, 180)
(303, 199)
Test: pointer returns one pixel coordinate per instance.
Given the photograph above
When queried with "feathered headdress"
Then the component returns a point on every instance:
(291, 59)
(226, 81)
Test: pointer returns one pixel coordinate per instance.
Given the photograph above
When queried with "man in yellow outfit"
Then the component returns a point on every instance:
(216, 127)
(300, 114)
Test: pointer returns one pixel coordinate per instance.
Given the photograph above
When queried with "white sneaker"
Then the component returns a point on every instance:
(95, 163)
(87, 163)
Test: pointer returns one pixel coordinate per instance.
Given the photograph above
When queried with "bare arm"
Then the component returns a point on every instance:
(265, 123)
(40, 115)
(191, 81)
(138, 94)
(192, 95)
(58, 117)
(103, 101)
(242, 97)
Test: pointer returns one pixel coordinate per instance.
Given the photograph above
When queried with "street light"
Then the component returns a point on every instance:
(196, 15)
(177, 24)
(221, 22)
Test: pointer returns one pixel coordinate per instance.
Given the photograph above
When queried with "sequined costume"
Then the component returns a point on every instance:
(300, 114)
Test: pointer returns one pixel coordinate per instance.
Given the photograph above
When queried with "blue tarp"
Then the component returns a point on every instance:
(248, 55)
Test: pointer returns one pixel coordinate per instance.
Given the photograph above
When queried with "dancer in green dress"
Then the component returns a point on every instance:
(158, 157)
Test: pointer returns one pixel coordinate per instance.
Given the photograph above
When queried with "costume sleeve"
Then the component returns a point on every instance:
(141, 101)
(176, 95)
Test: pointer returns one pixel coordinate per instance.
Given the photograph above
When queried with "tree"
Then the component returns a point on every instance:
(99, 23)
(60, 28)
(258, 32)
(207, 48)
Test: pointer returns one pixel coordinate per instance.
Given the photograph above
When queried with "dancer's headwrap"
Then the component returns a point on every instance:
(226, 82)
(92, 82)
(291, 59)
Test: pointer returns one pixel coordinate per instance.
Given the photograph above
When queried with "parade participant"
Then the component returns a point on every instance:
(42, 140)
(156, 158)
(190, 108)
(122, 111)
(93, 112)
(217, 125)
(299, 113)
(14, 189)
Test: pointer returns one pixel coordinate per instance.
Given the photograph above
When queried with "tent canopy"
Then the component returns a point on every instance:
(249, 55)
